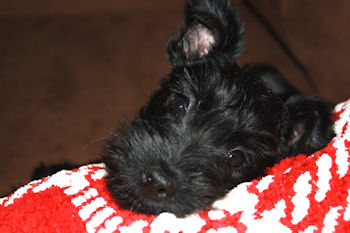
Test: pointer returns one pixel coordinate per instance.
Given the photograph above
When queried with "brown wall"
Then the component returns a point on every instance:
(318, 33)
(78, 7)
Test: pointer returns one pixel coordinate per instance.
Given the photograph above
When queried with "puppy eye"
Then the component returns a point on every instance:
(178, 104)
(234, 158)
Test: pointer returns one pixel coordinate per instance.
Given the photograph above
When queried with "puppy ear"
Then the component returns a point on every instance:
(306, 125)
(211, 29)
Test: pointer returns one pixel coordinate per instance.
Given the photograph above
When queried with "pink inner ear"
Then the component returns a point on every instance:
(198, 39)
(298, 131)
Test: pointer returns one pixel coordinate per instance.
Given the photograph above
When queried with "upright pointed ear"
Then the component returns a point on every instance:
(306, 125)
(211, 29)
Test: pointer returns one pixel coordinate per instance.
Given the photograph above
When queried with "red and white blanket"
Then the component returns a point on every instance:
(301, 194)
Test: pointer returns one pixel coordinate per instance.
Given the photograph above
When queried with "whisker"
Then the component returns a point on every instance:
(93, 141)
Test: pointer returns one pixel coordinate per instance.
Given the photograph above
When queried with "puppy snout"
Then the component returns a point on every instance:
(157, 185)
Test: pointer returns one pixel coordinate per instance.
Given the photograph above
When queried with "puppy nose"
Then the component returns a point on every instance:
(157, 185)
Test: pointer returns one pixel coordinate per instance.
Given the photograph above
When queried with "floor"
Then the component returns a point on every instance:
(67, 80)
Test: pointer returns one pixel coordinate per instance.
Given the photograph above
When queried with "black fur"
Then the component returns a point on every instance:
(44, 170)
(211, 125)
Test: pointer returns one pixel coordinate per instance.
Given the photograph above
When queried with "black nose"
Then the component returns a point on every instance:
(157, 185)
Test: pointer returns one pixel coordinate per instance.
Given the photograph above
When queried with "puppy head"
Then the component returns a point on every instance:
(211, 125)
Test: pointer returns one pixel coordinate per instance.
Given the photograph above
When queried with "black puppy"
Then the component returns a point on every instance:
(211, 125)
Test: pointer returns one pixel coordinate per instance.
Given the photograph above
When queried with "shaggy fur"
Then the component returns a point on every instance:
(211, 125)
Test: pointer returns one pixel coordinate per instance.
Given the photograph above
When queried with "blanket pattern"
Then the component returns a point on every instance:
(300, 194)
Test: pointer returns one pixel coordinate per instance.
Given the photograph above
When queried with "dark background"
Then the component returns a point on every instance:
(70, 71)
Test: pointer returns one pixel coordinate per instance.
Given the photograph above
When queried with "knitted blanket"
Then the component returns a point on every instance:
(300, 194)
